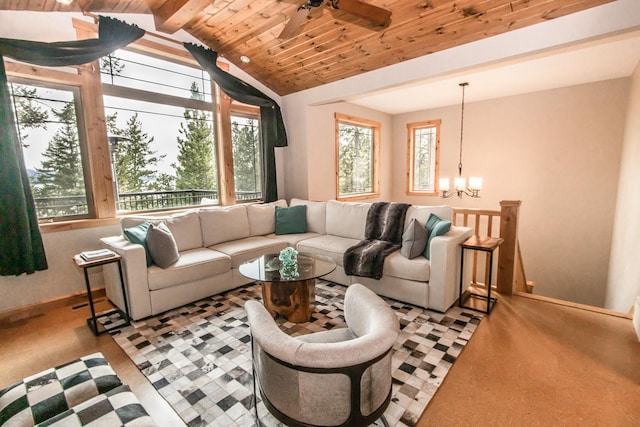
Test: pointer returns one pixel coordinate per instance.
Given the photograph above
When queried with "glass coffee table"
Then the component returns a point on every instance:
(286, 292)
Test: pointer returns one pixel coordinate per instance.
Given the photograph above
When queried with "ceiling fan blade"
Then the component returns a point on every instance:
(293, 27)
(374, 14)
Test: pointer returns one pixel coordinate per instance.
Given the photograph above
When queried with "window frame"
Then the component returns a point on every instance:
(411, 128)
(238, 109)
(147, 96)
(72, 86)
(376, 128)
(100, 193)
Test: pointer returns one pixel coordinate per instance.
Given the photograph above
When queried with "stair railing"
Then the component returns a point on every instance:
(509, 274)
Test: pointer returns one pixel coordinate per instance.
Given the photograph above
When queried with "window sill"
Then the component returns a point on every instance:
(362, 196)
(423, 193)
(53, 227)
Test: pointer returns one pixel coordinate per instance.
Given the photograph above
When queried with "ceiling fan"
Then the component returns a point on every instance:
(374, 14)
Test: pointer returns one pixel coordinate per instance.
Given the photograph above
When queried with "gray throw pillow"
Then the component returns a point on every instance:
(162, 245)
(414, 240)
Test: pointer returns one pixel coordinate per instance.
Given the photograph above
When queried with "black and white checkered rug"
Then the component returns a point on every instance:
(198, 357)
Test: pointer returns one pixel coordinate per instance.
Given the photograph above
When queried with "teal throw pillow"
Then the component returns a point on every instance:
(436, 226)
(291, 220)
(138, 234)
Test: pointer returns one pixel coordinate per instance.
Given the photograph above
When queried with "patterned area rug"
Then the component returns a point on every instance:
(198, 357)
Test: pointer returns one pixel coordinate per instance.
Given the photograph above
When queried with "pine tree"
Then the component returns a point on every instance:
(29, 115)
(60, 173)
(246, 157)
(111, 65)
(136, 162)
(355, 159)
(195, 168)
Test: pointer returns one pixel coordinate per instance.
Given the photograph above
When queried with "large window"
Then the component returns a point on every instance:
(161, 132)
(357, 148)
(53, 146)
(170, 139)
(423, 147)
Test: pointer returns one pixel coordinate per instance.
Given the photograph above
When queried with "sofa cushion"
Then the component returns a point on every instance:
(417, 269)
(332, 246)
(224, 224)
(138, 234)
(347, 219)
(422, 213)
(194, 264)
(162, 245)
(414, 240)
(291, 220)
(251, 247)
(45, 394)
(292, 239)
(316, 214)
(436, 226)
(262, 217)
(185, 228)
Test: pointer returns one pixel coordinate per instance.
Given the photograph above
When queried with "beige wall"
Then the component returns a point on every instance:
(62, 278)
(624, 268)
(310, 158)
(558, 151)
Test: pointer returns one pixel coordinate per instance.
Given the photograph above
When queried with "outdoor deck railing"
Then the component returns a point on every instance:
(50, 207)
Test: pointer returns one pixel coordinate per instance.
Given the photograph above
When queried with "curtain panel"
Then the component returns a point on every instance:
(21, 247)
(272, 131)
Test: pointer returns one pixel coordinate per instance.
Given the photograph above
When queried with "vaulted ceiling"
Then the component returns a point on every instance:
(331, 44)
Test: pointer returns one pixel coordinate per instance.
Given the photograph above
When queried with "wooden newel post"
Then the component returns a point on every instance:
(509, 211)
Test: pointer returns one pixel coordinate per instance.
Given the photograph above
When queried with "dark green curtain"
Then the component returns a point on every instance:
(21, 248)
(272, 130)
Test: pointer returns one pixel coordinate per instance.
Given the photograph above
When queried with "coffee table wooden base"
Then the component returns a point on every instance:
(293, 300)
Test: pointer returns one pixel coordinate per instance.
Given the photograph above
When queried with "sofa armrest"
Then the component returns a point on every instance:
(134, 272)
(444, 281)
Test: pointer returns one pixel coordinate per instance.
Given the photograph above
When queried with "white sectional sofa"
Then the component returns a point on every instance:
(213, 242)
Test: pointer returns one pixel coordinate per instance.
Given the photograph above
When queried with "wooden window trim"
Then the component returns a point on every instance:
(375, 161)
(411, 127)
(100, 184)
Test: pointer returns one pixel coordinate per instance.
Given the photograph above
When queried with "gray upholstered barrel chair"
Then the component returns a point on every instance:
(339, 377)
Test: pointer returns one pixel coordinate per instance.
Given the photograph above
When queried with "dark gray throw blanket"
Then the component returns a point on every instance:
(383, 235)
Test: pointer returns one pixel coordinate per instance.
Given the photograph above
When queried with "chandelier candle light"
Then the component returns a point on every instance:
(460, 183)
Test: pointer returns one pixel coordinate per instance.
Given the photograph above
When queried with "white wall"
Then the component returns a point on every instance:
(624, 269)
(62, 278)
(559, 152)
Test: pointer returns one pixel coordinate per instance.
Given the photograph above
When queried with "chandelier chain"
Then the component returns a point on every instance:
(461, 129)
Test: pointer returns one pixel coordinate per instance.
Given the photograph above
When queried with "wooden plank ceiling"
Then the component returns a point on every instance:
(332, 44)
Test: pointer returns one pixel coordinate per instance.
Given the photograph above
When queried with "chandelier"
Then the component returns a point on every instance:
(460, 183)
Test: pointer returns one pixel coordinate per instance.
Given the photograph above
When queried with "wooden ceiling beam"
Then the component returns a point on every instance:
(172, 15)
